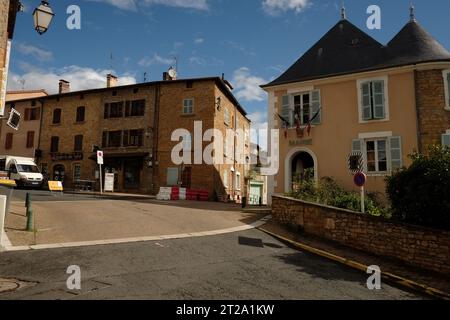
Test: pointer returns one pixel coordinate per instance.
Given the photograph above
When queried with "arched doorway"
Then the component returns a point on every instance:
(59, 173)
(302, 168)
(299, 162)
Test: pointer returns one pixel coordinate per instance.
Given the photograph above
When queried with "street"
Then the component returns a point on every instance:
(244, 265)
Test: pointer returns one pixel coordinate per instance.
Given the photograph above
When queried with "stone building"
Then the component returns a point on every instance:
(133, 125)
(351, 94)
(23, 142)
(8, 12)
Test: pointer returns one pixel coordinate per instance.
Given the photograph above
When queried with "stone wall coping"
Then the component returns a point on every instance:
(365, 216)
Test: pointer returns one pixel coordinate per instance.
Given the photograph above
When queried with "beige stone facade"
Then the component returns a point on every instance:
(133, 125)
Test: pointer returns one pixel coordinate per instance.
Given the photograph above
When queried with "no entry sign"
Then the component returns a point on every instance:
(100, 157)
(360, 179)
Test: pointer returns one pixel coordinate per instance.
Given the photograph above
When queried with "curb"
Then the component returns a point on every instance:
(424, 289)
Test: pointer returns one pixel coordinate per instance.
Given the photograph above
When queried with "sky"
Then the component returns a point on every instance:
(250, 41)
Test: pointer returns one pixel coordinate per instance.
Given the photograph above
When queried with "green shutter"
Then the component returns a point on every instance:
(448, 89)
(378, 100)
(366, 103)
(357, 145)
(395, 144)
(446, 140)
(286, 110)
(316, 107)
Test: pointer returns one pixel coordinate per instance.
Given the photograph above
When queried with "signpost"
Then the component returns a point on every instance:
(100, 163)
(360, 180)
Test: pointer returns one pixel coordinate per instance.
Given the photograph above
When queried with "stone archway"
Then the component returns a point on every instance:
(296, 162)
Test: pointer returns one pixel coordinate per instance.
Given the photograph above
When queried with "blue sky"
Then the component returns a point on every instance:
(251, 41)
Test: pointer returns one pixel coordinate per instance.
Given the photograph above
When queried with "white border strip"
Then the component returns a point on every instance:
(254, 225)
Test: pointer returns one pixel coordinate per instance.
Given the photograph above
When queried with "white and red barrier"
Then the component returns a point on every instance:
(176, 194)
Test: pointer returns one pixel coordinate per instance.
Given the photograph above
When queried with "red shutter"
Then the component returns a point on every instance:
(30, 139)
(9, 141)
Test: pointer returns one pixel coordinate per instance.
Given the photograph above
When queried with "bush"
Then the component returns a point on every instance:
(420, 194)
(330, 193)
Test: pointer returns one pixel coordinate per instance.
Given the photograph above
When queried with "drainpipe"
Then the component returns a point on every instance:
(41, 121)
(156, 105)
(418, 114)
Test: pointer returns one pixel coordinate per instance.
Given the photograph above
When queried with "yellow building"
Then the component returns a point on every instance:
(349, 93)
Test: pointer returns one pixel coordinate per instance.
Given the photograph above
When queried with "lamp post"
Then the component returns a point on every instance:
(43, 16)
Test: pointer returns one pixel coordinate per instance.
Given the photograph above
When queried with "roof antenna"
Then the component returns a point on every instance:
(343, 12)
(145, 76)
(412, 16)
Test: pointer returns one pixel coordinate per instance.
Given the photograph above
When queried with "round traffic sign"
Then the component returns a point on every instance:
(360, 179)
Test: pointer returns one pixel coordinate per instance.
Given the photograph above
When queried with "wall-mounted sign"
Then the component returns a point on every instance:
(356, 162)
(75, 156)
(295, 143)
(14, 119)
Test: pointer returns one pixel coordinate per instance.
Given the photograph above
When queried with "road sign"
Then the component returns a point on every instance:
(55, 186)
(100, 157)
(360, 179)
(14, 119)
(355, 162)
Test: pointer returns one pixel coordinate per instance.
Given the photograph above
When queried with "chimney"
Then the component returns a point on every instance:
(111, 81)
(64, 86)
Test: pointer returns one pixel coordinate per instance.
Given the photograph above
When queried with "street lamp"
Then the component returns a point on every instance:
(43, 16)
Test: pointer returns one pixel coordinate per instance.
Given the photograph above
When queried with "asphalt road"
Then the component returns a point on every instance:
(43, 195)
(246, 265)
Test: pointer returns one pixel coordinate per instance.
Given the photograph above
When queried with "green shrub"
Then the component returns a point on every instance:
(420, 194)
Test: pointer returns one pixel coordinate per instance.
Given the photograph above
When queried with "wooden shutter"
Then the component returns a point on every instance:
(286, 111)
(126, 138)
(395, 144)
(366, 102)
(30, 139)
(128, 108)
(120, 106)
(316, 107)
(9, 141)
(106, 112)
(378, 100)
(446, 140)
(357, 145)
(27, 114)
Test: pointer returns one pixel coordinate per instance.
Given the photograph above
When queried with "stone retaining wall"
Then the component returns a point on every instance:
(417, 246)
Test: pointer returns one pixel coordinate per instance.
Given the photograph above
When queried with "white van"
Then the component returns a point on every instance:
(23, 170)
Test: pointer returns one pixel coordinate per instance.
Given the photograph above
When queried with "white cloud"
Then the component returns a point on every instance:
(259, 128)
(199, 41)
(248, 86)
(156, 59)
(80, 78)
(274, 7)
(38, 53)
(133, 5)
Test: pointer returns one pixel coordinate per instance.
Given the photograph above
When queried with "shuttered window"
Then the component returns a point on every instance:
(30, 139)
(78, 143)
(81, 114)
(448, 89)
(373, 100)
(227, 117)
(316, 108)
(57, 116)
(396, 153)
(54, 147)
(188, 106)
(9, 141)
(286, 111)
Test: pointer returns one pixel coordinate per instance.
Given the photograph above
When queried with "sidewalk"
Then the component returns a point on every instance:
(110, 195)
(427, 282)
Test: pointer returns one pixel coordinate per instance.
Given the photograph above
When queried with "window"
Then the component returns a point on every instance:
(114, 139)
(225, 146)
(381, 155)
(133, 138)
(446, 75)
(57, 116)
(135, 108)
(446, 139)
(9, 141)
(54, 147)
(189, 84)
(376, 156)
(188, 106)
(227, 117)
(81, 112)
(32, 114)
(77, 172)
(302, 109)
(238, 181)
(225, 178)
(373, 100)
(30, 139)
(113, 110)
(78, 144)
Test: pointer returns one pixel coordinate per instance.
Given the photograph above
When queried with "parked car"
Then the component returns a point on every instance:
(23, 170)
